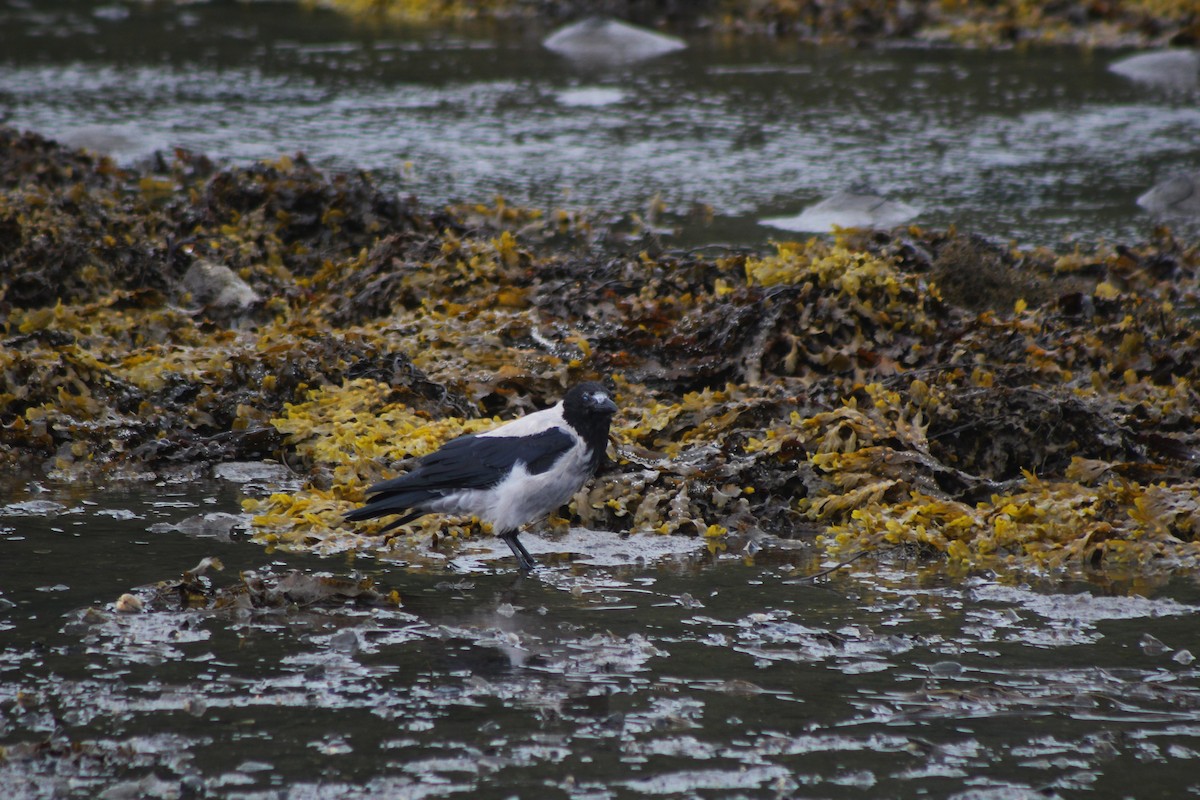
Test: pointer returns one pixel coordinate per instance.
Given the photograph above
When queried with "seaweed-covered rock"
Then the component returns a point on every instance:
(847, 391)
(75, 227)
(994, 23)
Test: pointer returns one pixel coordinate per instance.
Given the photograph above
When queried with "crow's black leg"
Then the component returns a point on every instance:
(527, 560)
(523, 558)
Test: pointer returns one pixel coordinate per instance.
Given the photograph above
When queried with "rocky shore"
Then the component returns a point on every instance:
(915, 389)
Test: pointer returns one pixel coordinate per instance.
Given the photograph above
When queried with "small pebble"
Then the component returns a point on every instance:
(945, 669)
(346, 641)
(130, 604)
(1151, 645)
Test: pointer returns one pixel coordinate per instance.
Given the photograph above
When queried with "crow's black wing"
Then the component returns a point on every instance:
(468, 462)
(479, 462)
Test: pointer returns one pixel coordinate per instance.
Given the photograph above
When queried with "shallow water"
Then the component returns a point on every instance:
(688, 676)
(1037, 146)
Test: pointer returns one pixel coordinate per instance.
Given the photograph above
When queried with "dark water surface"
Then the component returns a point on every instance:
(1037, 146)
(693, 676)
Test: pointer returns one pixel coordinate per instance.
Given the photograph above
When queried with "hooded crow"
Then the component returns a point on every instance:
(508, 476)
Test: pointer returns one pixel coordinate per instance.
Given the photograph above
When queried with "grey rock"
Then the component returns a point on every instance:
(217, 286)
(1174, 196)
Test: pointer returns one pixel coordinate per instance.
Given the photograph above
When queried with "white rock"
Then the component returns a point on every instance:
(124, 142)
(601, 41)
(269, 472)
(1172, 69)
(846, 210)
(589, 97)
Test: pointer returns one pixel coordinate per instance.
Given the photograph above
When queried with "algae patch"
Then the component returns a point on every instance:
(830, 390)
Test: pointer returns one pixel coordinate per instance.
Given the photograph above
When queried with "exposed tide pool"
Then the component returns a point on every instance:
(1038, 146)
(682, 675)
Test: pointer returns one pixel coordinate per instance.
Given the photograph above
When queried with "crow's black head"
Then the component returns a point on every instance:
(588, 400)
(588, 408)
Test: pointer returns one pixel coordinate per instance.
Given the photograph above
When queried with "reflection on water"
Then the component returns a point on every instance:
(690, 676)
(1040, 146)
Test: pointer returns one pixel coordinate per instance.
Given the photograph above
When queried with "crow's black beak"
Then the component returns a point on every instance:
(605, 405)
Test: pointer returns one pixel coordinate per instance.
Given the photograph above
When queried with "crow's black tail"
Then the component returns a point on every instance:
(402, 503)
